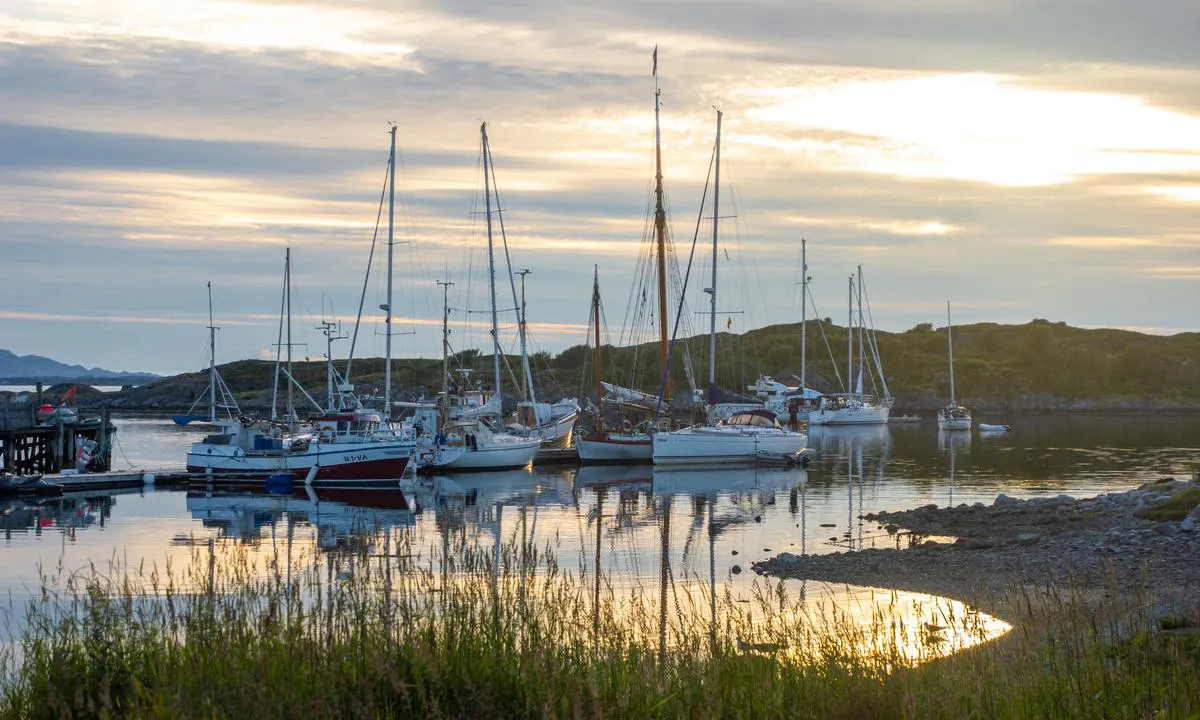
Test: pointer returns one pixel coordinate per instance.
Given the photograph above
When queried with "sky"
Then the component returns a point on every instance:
(1019, 159)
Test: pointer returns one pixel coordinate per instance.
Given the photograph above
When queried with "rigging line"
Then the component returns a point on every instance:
(370, 257)
(873, 343)
(821, 326)
(666, 373)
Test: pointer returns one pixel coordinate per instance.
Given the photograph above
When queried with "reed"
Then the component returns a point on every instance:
(391, 630)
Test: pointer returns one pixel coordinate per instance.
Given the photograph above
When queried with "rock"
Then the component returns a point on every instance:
(1188, 524)
(1028, 538)
(736, 569)
(1003, 499)
(735, 552)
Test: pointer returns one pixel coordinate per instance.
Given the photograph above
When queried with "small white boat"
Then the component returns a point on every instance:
(739, 439)
(843, 409)
(990, 428)
(552, 423)
(472, 445)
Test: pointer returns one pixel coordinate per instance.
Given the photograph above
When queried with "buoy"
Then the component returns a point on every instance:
(148, 479)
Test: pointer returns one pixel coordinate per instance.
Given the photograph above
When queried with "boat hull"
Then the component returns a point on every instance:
(963, 424)
(496, 456)
(334, 462)
(616, 448)
(714, 445)
(856, 415)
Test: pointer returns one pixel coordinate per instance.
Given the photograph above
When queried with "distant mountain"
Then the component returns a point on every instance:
(26, 367)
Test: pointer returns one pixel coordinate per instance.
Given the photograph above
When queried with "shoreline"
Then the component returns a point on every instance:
(1096, 549)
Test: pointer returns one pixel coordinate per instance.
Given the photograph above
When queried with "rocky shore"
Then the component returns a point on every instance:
(1087, 546)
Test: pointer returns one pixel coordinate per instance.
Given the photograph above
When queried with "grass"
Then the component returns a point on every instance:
(384, 630)
(1175, 508)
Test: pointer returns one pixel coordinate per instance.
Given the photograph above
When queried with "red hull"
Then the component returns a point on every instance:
(387, 469)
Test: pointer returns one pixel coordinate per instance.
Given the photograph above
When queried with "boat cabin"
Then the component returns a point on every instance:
(346, 425)
(753, 418)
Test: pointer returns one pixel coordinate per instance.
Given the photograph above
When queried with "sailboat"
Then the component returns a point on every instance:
(216, 384)
(624, 446)
(344, 444)
(552, 423)
(745, 434)
(856, 407)
(629, 399)
(476, 441)
(953, 416)
(792, 404)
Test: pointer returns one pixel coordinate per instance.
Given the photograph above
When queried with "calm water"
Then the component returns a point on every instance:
(711, 523)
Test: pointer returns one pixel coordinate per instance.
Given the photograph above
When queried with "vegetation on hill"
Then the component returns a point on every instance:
(1036, 366)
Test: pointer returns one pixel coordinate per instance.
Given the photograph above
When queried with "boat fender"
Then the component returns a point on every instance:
(312, 475)
(148, 479)
(626, 426)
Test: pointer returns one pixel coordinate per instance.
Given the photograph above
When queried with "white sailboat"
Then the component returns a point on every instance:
(477, 442)
(552, 423)
(953, 416)
(216, 383)
(792, 404)
(746, 433)
(856, 407)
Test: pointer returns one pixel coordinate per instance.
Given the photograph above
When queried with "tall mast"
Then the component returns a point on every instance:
(487, 199)
(213, 361)
(660, 233)
(529, 394)
(850, 338)
(279, 338)
(950, 349)
(596, 355)
(387, 323)
(287, 288)
(803, 312)
(712, 330)
(445, 350)
(862, 331)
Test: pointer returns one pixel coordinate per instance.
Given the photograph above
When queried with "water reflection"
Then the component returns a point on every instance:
(343, 518)
(66, 514)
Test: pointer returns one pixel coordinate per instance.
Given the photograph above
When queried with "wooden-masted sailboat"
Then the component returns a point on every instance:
(615, 446)
(625, 445)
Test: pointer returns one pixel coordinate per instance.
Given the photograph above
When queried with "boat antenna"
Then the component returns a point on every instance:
(213, 361)
(445, 285)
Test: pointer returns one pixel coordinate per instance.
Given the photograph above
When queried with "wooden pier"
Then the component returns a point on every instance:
(34, 442)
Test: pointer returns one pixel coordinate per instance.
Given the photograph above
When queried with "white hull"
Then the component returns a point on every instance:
(616, 448)
(696, 445)
(986, 428)
(558, 433)
(954, 423)
(498, 455)
(555, 426)
(854, 415)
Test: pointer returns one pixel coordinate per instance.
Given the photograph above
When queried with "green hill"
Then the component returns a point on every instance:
(1036, 366)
